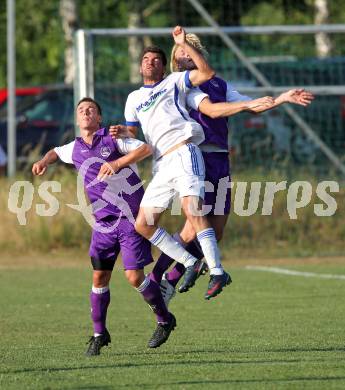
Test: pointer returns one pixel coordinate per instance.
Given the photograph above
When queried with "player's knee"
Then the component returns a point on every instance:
(101, 278)
(139, 226)
(135, 277)
(188, 236)
(142, 228)
(198, 222)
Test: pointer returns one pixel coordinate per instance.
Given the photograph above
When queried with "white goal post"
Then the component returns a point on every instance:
(84, 84)
(83, 50)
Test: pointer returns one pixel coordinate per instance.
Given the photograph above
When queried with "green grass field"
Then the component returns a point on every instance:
(266, 331)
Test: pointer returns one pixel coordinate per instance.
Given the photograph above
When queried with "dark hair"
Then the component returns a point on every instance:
(154, 49)
(88, 99)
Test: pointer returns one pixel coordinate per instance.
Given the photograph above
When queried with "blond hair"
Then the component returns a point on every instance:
(194, 41)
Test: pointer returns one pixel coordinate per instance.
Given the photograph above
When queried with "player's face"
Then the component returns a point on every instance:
(152, 67)
(88, 117)
(184, 62)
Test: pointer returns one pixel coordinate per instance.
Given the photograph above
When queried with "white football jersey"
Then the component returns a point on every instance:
(160, 110)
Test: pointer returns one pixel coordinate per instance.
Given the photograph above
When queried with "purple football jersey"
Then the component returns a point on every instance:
(216, 130)
(120, 195)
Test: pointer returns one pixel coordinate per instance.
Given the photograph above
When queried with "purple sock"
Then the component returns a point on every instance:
(99, 306)
(151, 292)
(194, 249)
(177, 272)
(163, 263)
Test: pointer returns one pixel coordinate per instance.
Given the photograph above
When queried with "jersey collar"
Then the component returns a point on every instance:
(153, 85)
(98, 133)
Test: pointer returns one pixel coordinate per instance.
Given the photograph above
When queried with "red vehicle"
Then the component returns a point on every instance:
(21, 94)
(44, 118)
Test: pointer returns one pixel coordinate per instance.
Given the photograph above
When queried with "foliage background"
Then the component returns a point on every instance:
(40, 40)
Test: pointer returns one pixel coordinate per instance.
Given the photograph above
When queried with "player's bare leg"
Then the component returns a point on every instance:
(201, 227)
(147, 225)
(147, 220)
(218, 222)
(169, 281)
(187, 236)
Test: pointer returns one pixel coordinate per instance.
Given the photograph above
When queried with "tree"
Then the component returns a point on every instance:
(39, 46)
(69, 16)
(135, 44)
(322, 40)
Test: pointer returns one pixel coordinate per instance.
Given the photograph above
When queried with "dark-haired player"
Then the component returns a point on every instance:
(115, 191)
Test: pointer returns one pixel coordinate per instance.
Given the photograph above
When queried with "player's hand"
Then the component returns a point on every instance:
(39, 168)
(297, 96)
(179, 35)
(261, 104)
(118, 131)
(107, 169)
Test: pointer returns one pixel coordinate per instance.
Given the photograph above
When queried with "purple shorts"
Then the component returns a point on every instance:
(217, 167)
(135, 249)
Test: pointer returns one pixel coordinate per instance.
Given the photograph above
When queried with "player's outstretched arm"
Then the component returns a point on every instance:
(40, 167)
(218, 110)
(136, 155)
(294, 96)
(204, 71)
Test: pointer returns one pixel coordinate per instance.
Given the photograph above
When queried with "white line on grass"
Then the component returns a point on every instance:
(294, 273)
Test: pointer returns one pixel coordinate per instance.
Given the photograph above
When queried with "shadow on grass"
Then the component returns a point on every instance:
(234, 350)
(304, 349)
(149, 352)
(238, 381)
(220, 382)
(156, 364)
(93, 387)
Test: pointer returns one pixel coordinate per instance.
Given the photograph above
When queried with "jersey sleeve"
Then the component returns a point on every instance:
(127, 145)
(182, 81)
(130, 111)
(234, 96)
(65, 152)
(195, 97)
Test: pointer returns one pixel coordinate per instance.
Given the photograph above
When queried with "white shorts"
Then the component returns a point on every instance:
(181, 172)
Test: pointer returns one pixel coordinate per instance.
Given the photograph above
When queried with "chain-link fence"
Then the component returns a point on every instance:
(287, 56)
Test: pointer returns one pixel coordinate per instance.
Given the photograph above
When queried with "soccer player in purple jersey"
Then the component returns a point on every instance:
(115, 191)
(215, 154)
(159, 107)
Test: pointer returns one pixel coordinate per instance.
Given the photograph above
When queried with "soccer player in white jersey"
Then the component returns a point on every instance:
(159, 107)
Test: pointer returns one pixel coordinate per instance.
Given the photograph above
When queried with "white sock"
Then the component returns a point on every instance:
(144, 284)
(163, 240)
(209, 246)
(100, 290)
